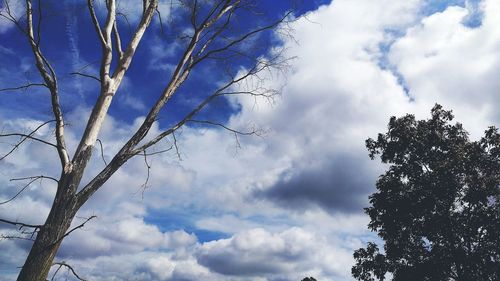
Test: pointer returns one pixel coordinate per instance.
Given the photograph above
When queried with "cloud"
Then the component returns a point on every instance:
(342, 185)
(293, 252)
(332, 102)
(355, 59)
(243, 254)
(446, 61)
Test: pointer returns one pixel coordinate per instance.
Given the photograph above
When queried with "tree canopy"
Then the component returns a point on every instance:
(437, 207)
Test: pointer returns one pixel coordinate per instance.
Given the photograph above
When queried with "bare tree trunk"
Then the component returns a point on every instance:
(43, 251)
(51, 234)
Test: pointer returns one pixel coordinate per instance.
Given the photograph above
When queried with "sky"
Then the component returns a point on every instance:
(280, 206)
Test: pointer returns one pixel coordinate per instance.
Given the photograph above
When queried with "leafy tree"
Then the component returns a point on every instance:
(437, 207)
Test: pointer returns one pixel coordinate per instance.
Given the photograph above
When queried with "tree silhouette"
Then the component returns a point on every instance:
(437, 207)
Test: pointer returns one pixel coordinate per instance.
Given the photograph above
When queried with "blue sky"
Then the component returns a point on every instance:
(281, 206)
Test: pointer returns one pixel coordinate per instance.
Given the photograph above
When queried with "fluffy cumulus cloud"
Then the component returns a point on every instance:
(444, 60)
(287, 205)
(288, 254)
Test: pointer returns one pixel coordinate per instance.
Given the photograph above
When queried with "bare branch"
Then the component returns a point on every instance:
(179, 76)
(126, 20)
(10, 237)
(24, 87)
(55, 272)
(86, 75)
(194, 13)
(161, 21)
(107, 56)
(20, 224)
(159, 152)
(252, 132)
(102, 152)
(240, 39)
(144, 6)
(118, 41)
(39, 25)
(214, 36)
(50, 79)
(10, 17)
(182, 70)
(176, 146)
(25, 137)
(70, 268)
(73, 229)
(144, 186)
(95, 21)
(125, 61)
(260, 66)
(109, 85)
(34, 228)
(32, 179)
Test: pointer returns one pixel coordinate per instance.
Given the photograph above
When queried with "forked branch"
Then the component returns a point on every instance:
(25, 137)
(73, 229)
(31, 180)
(69, 267)
(188, 60)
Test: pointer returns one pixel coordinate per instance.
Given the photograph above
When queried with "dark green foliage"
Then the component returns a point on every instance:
(309, 279)
(437, 207)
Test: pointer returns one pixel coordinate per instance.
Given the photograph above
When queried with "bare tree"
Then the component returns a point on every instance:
(214, 35)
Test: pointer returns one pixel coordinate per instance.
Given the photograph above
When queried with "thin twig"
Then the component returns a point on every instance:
(148, 166)
(159, 152)
(161, 22)
(33, 177)
(55, 272)
(79, 226)
(23, 87)
(25, 137)
(9, 237)
(19, 192)
(70, 268)
(86, 75)
(252, 132)
(20, 224)
(19, 143)
(176, 147)
(73, 229)
(126, 20)
(102, 152)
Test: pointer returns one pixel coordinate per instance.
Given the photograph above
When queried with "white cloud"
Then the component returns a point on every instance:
(445, 61)
(336, 95)
(259, 253)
